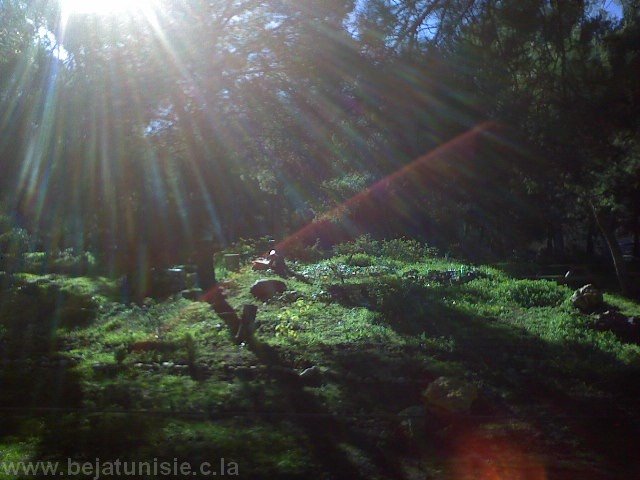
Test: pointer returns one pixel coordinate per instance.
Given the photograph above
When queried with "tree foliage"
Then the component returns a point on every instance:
(140, 135)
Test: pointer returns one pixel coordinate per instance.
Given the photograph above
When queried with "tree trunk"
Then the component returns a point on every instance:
(614, 249)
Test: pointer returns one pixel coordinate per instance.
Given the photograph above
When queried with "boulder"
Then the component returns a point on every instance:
(261, 264)
(587, 299)
(266, 289)
(450, 395)
(274, 261)
(278, 264)
(625, 328)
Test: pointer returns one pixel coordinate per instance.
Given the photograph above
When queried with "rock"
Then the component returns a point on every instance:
(587, 299)
(231, 262)
(274, 261)
(311, 376)
(450, 395)
(261, 264)
(625, 328)
(278, 264)
(266, 289)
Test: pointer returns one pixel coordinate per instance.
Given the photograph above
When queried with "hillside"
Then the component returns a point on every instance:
(333, 383)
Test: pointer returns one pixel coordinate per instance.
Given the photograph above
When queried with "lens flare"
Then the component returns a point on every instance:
(481, 458)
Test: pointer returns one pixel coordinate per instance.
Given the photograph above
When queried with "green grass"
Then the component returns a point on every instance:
(379, 320)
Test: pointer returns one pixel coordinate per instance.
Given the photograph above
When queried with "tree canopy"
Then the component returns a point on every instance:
(145, 132)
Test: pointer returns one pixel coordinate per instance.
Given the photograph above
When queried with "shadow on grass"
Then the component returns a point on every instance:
(569, 389)
(574, 393)
(42, 411)
(324, 431)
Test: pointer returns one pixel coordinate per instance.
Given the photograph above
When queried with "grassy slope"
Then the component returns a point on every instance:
(130, 384)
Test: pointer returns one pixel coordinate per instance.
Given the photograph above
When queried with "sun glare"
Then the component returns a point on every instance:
(103, 7)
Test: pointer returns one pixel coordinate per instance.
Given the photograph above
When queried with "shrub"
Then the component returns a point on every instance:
(407, 250)
(401, 249)
(364, 244)
(536, 293)
(65, 262)
(360, 260)
(15, 241)
(349, 184)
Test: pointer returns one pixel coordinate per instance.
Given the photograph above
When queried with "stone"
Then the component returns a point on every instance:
(625, 328)
(278, 264)
(260, 264)
(231, 261)
(274, 261)
(450, 395)
(267, 289)
(587, 299)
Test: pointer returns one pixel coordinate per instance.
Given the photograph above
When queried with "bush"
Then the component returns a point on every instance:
(364, 244)
(537, 293)
(401, 249)
(65, 262)
(15, 241)
(407, 250)
(349, 184)
(360, 260)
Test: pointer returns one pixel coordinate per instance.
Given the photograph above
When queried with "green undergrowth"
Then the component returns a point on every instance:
(87, 376)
